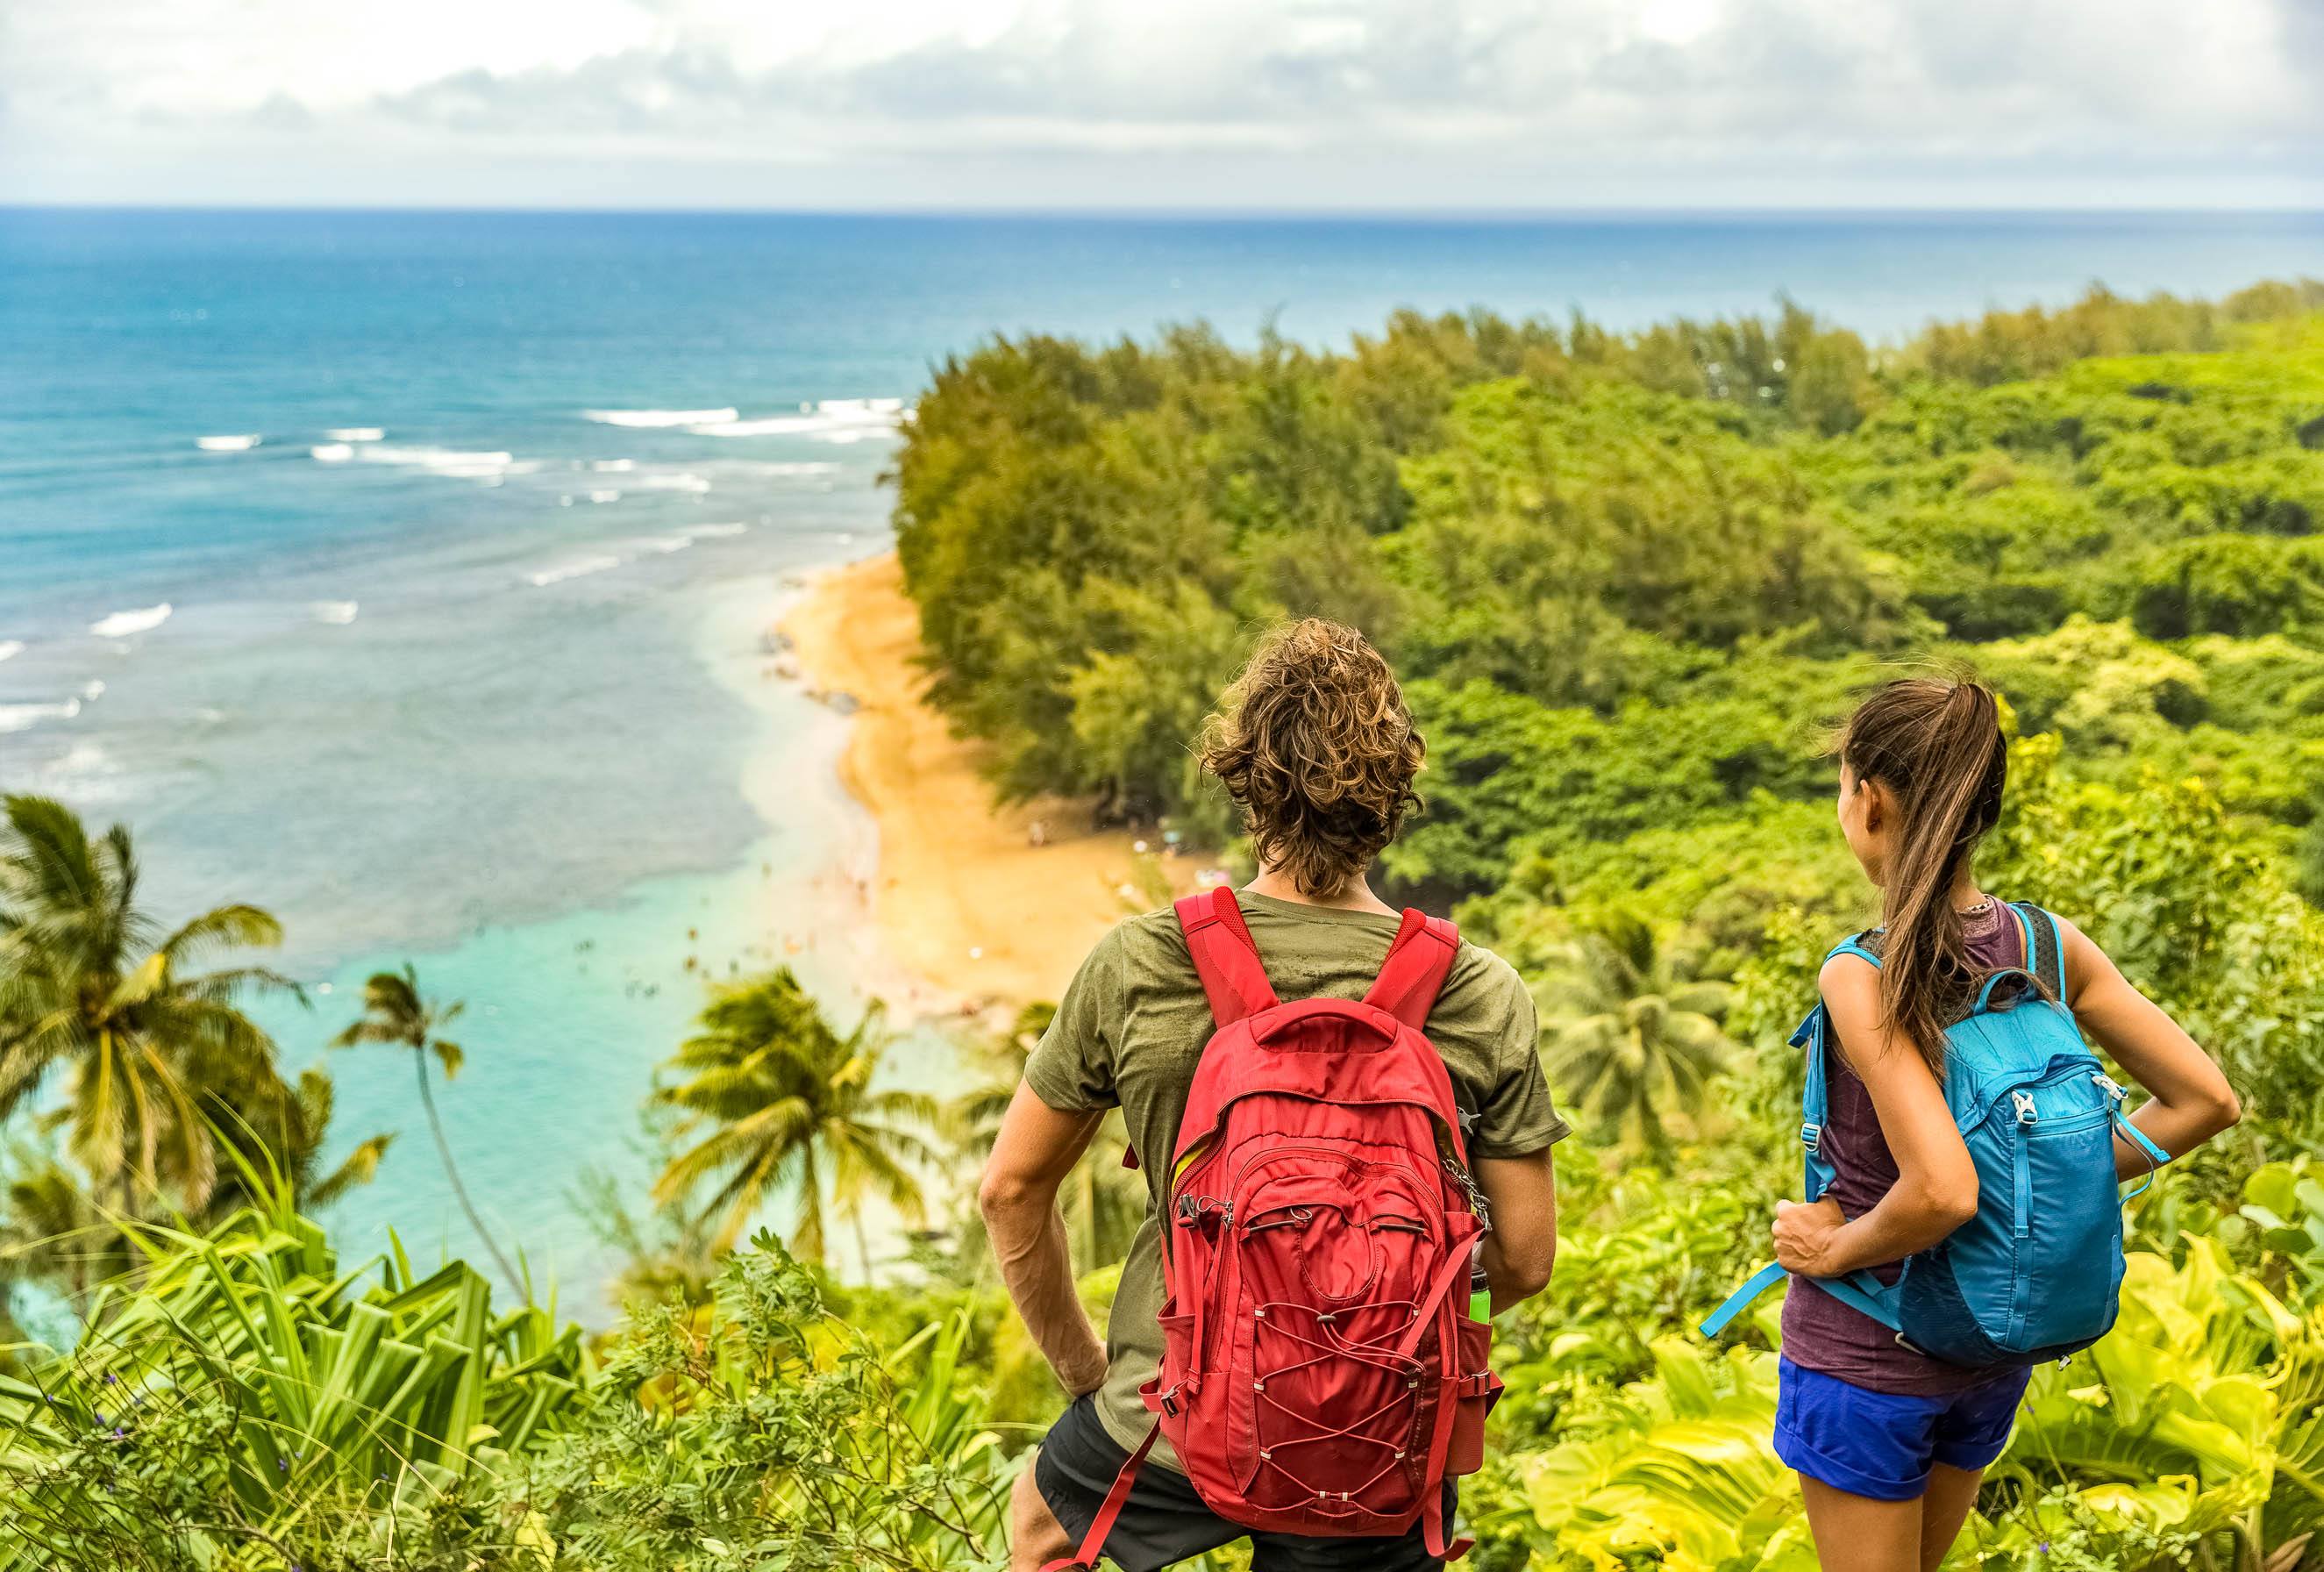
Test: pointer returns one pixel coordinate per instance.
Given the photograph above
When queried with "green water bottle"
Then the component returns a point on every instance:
(1480, 1288)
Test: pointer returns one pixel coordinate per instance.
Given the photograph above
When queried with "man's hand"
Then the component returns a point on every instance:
(1036, 1148)
(1803, 1235)
(1086, 1375)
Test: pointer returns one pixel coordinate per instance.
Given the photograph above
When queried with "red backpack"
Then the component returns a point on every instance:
(1321, 1373)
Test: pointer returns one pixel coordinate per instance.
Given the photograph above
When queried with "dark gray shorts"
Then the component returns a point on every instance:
(1164, 1522)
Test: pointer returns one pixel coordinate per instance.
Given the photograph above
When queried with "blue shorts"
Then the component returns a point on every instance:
(1882, 1445)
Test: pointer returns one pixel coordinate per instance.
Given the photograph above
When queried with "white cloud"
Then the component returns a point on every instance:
(1392, 102)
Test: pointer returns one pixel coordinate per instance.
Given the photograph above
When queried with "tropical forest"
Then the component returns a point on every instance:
(1629, 579)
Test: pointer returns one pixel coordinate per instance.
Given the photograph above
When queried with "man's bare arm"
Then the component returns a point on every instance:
(1037, 1149)
(1522, 1192)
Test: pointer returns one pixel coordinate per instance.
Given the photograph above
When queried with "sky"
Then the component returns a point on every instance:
(1274, 104)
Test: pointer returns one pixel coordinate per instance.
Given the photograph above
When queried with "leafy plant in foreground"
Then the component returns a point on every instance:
(241, 1396)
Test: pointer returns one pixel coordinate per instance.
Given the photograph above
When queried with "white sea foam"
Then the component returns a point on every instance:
(429, 457)
(798, 467)
(337, 613)
(453, 463)
(771, 425)
(693, 483)
(242, 442)
(667, 543)
(11, 648)
(613, 466)
(333, 452)
(94, 691)
(121, 624)
(658, 416)
(822, 421)
(574, 569)
(356, 434)
(78, 772)
(716, 531)
(23, 718)
(604, 496)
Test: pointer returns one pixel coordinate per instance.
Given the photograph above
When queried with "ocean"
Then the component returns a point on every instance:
(408, 574)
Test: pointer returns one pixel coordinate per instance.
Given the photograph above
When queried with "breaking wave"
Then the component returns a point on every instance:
(829, 421)
(23, 718)
(121, 624)
(649, 418)
(574, 569)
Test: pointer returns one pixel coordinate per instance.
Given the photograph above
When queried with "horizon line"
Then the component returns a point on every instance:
(1181, 214)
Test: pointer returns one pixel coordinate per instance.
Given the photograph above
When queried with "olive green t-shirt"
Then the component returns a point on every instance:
(1133, 1023)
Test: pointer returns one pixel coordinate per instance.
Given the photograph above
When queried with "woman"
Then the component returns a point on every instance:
(1891, 1444)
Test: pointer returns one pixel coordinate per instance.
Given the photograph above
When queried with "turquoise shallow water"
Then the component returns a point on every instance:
(487, 690)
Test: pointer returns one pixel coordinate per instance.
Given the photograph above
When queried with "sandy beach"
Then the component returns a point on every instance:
(962, 897)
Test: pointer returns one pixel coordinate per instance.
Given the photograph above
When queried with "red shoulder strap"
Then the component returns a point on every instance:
(1224, 957)
(1416, 969)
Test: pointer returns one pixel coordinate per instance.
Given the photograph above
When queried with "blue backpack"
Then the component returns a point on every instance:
(2035, 1275)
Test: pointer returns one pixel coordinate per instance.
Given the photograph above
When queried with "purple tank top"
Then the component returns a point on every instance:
(1820, 1333)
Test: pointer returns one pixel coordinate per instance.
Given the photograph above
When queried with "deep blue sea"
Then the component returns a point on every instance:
(407, 573)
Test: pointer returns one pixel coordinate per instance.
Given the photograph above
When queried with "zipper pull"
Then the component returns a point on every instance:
(2113, 1088)
(2025, 1101)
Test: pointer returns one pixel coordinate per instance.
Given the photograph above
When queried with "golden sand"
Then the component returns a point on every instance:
(964, 897)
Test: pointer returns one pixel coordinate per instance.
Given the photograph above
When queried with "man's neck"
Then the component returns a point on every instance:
(1355, 895)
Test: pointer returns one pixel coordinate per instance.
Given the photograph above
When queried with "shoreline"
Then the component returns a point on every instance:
(961, 895)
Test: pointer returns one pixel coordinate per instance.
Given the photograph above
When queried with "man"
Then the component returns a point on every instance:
(1314, 744)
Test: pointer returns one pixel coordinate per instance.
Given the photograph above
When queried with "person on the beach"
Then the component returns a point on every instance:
(1890, 1443)
(1314, 744)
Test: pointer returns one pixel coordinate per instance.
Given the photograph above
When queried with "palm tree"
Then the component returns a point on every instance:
(397, 1015)
(52, 1232)
(790, 1106)
(89, 981)
(1638, 1033)
(1102, 1202)
(288, 1137)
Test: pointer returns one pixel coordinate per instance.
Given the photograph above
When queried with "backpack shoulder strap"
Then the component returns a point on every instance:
(2045, 947)
(1226, 960)
(1854, 945)
(1814, 1037)
(1417, 964)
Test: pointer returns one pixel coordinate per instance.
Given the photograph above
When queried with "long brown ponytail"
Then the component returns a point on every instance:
(1937, 746)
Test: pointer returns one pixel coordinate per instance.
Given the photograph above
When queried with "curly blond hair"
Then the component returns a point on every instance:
(1314, 744)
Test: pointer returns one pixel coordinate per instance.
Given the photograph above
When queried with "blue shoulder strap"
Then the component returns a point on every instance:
(1861, 1290)
(1815, 1093)
(2045, 948)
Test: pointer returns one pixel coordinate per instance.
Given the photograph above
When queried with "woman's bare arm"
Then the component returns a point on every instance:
(2193, 1100)
(1936, 1183)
